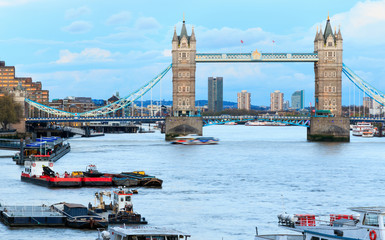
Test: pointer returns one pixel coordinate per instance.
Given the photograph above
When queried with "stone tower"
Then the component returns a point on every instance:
(183, 72)
(328, 69)
(19, 94)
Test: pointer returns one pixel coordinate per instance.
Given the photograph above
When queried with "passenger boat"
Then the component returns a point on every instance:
(142, 233)
(368, 224)
(55, 147)
(193, 139)
(120, 210)
(78, 216)
(361, 127)
(368, 134)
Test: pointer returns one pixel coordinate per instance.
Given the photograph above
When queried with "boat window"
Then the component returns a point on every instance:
(122, 199)
(314, 238)
(128, 198)
(371, 219)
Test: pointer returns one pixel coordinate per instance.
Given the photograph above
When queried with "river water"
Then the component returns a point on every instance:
(216, 192)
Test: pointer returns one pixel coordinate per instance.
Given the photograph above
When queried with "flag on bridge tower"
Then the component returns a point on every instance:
(242, 41)
(273, 41)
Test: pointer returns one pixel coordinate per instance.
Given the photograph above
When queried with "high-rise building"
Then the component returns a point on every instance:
(215, 94)
(244, 100)
(297, 100)
(8, 82)
(286, 105)
(276, 101)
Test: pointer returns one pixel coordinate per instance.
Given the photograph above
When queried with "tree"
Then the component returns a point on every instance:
(10, 111)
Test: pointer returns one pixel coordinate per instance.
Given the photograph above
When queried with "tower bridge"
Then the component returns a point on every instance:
(326, 56)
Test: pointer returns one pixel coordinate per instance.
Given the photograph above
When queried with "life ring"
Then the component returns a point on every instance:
(372, 235)
(33, 164)
(50, 164)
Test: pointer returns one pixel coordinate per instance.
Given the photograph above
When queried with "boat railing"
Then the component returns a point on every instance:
(311, 220)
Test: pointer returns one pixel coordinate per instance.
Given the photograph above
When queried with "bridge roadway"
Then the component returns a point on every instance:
(303, 121)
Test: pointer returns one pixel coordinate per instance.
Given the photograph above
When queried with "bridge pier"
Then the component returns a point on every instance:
(329, 129)
(182, 126)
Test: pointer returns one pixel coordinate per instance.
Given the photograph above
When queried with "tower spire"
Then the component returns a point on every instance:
(183, 18)
(328, 17)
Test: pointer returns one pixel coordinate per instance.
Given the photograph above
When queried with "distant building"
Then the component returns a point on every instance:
(215, 94)
(244, 100)
(286, 105)
(374, 107)
(74, 104)
(276, 101)
(8, 82)
(297, 100)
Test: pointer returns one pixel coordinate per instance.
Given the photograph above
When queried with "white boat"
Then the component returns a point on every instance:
(140, 233)
(361, 127)
(367, 134)
(193, 139)
(368, 224)
(256, 123)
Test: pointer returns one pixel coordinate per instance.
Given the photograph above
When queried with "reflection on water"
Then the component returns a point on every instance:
(218, 191)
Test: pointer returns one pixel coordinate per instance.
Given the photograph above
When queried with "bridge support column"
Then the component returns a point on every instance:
(329, 129)
(182, 126)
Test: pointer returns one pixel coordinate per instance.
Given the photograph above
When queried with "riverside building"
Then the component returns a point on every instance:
(276, 101)
(297, 99)
(244, 100)
(215, 94)
(8, 82)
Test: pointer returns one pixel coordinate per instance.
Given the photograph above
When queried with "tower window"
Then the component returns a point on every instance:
(330, 44)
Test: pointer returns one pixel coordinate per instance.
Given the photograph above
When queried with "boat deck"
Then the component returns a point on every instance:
(30, 216)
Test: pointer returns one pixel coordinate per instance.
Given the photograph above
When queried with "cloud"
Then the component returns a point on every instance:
(147, 23)
(167, 53)
(363, 23)
(85, 56)
(119, 18)
(77, 12)
(78, 27)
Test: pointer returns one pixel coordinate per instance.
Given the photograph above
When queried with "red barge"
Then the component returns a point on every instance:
(39, 170)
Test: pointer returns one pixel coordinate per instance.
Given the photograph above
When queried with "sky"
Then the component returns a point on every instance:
(96, 48)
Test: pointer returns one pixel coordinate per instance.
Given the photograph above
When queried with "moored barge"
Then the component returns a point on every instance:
(31, 216)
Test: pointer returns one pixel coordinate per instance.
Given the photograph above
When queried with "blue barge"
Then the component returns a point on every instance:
(28, 216)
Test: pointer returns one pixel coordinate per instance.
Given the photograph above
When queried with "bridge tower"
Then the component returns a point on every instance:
(328, 87)
(183, 120)
(328, 70)
(183, 72)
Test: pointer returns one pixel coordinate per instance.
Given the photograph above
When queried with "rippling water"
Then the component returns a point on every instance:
(216, 192)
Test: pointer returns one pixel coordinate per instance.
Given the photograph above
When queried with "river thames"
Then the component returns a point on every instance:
(220, 191)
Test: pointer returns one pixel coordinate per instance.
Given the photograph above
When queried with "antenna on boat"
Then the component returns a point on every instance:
(283, 204)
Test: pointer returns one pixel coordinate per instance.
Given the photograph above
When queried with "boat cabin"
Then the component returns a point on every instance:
(141, 233)
(34, 167)
(122, 200)
(368, 225)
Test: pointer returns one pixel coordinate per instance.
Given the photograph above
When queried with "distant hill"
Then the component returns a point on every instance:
(199, 103)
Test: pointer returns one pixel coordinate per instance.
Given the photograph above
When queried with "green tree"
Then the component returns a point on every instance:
(10, 111)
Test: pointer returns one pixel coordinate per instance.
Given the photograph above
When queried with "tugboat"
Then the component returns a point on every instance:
(92, 177)
(78, 216)
(120, 210)
(117, 233)
(39, 170)
(369, 224)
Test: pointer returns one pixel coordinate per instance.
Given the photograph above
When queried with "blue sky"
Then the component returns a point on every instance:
(95, 48)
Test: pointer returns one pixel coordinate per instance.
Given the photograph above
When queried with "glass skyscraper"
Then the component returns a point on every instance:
(297, 100)
(215, 94)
